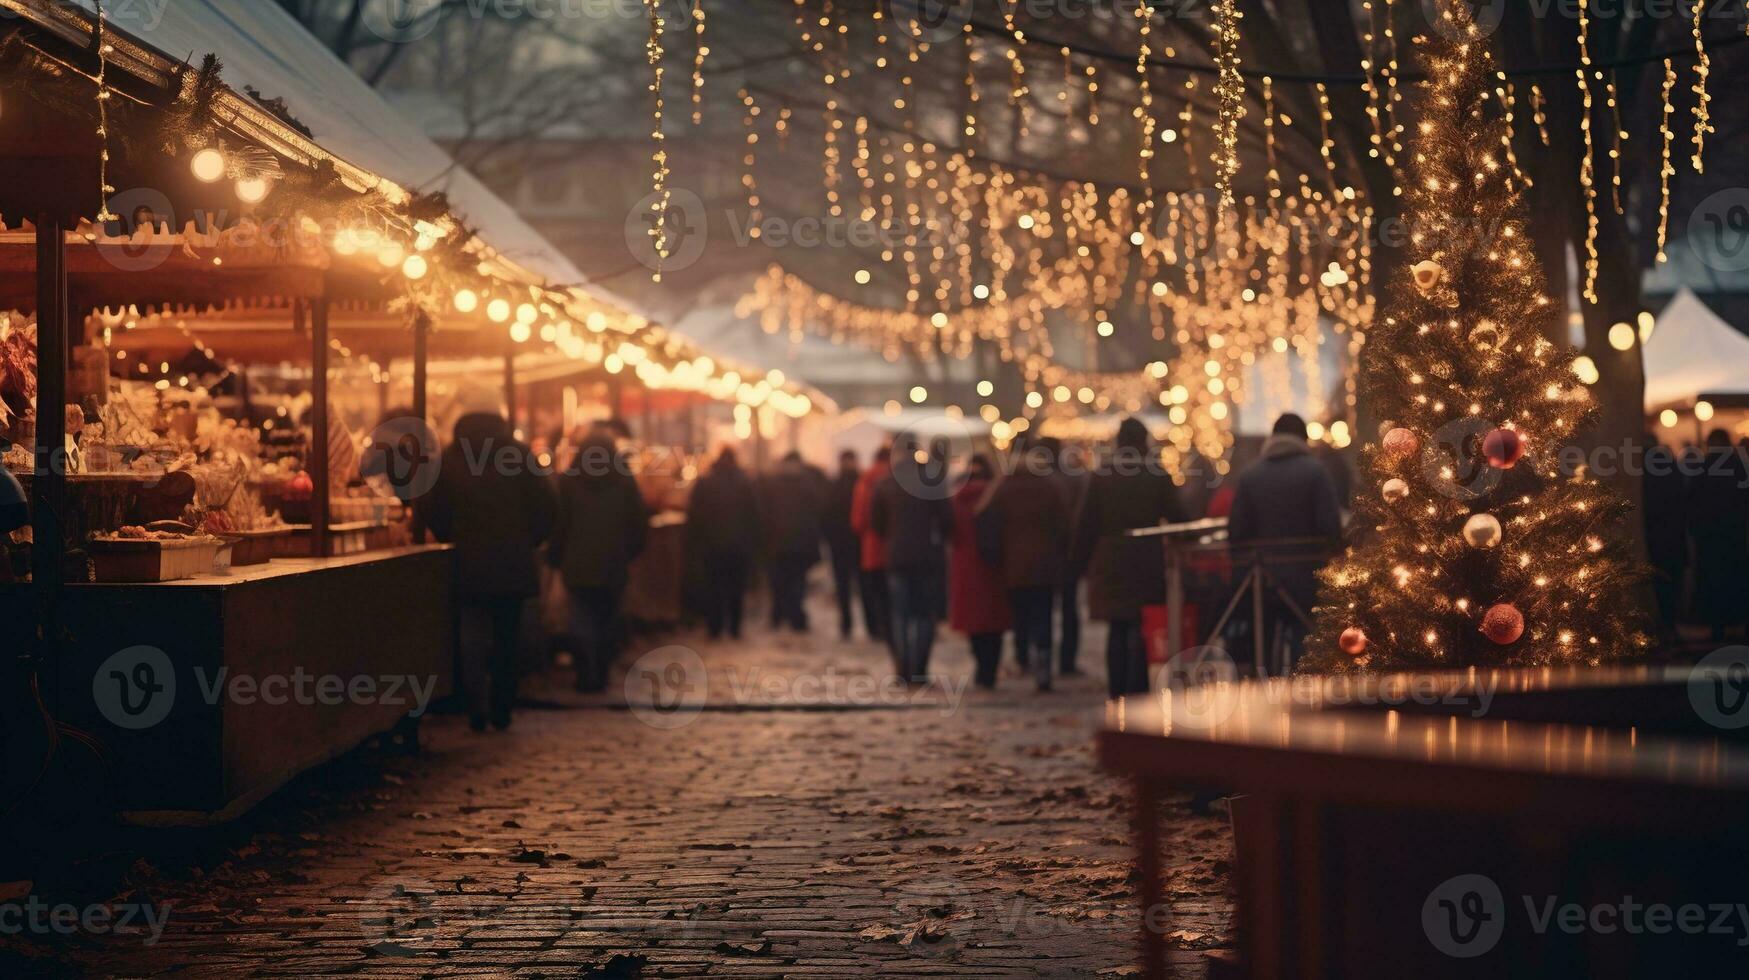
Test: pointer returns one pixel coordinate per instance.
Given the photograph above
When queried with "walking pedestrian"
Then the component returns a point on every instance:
(1125, 574)
(1072, 476)
(843, 543)
(1029, 511)
(603, 524)
(875, 609)
(911, 513)
(1287, 495)
(1718, 521)
(791, 519)
(494, 505)
(722, 530)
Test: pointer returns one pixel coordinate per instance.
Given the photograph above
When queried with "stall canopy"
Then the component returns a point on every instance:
(1692, 353)
(264, 49)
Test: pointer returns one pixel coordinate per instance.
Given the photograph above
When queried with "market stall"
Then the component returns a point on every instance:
(1697, 372)
(200, 345)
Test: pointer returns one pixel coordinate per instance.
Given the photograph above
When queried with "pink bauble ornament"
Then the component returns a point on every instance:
(1353, 641)
(1503, 623)
(1504, 448)
(1401, 443)
(1394, 490)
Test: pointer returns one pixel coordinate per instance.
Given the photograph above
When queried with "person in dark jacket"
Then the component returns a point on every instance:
(793, 506)
(1070, 470)
(495, 506)
(1664, 492)
(911, 513)
(977, 602)
(844, 545)
(603, 523)
(1287, 495)
(1124, 574)
(722, 529)
(1029, 512)
(1718, 520)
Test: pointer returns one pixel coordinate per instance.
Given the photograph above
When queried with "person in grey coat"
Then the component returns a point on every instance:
(1287, 495)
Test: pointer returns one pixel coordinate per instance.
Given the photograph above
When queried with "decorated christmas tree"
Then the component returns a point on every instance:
(1471, 546)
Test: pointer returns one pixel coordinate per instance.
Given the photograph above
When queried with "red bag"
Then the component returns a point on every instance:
(1154, 630)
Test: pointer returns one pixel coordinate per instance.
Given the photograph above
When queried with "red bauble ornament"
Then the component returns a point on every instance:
(1401, 443)
(1504, 448)
(1503, 623)
(1353, 641)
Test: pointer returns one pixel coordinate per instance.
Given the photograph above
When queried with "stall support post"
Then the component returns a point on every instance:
(48, 486)
(318, 461)
(510, 383)
(421, 355)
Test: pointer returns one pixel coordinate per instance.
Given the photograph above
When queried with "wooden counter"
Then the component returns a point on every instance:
(381, 624)
(1358, 800)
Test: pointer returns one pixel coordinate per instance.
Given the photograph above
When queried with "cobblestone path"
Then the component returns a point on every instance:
(803, 820)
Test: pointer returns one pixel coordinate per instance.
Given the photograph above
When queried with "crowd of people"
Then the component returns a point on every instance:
(999, 545)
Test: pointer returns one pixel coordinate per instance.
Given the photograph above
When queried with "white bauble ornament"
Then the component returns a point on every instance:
(1482, 531)
(1394, 490)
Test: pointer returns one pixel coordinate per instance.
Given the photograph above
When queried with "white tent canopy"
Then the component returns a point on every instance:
(262, 47)
(1692, 353)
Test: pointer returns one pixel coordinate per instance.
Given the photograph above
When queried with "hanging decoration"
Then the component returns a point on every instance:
(104, 49)
(1588, 155)
(659, 151)
(1702, 69)
(1230, 95)
(1665, 169)
(700, 52)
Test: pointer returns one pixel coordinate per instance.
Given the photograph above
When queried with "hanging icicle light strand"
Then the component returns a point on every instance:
(1230, 96)
(1702, 68)
(659, 153)
(1665, 169)
(1587, 162)
(1144, 111)
(698, 57)
(103, 51)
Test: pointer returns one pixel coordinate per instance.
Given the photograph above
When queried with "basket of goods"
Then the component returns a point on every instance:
(257, 534)
(159, 554)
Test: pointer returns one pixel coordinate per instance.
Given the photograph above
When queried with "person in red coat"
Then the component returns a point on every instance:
(976, 598)
(874, 548)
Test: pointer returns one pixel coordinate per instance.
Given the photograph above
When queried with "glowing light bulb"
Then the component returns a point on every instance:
(1703, 411)
(1621, 336)
(466, 301)
(520, 332)
(498, 310)
(391, 255)
(1667, 418)
(919, 394)
(1586, 369)
(252, 190)
(415, 267)
(208, 165)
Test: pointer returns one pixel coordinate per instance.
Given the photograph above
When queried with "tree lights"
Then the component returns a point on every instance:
(1481, 551)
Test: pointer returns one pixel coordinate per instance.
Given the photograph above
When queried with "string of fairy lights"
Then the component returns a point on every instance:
(993, 251)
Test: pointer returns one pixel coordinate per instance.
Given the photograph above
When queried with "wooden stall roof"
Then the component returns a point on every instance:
(182, 269)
